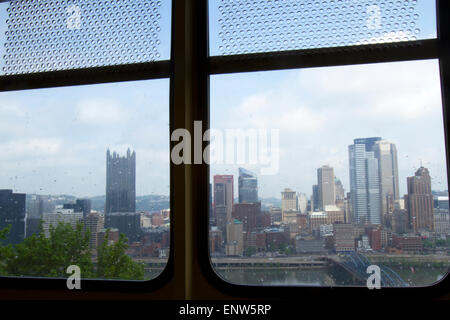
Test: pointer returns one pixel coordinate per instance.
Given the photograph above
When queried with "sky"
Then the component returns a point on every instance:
(54, 141)
(320, 111)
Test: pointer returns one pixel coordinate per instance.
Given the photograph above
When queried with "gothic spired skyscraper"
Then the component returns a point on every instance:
(120, 182)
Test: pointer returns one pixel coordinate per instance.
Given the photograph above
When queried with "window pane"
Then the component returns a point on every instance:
(49, 35)
(96, 155)
(239, 27)
(328, 171)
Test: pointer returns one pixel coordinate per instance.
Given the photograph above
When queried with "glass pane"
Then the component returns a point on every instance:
(239, 27)
(328, 175)
(50, 35)
(95, 156)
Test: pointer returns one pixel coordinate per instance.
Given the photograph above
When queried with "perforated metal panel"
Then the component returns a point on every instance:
(45, 35)
(278, 25)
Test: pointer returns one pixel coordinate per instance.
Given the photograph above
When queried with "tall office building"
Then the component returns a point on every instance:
(93, 223)
(128, 223)
(289, 205)
(249, 214)
(12, 213)
(364, 182)
(52, 219)
(339, 189)
(302, 202)
(80, 205)
(120, 182)
(248, 186)
(326, 187)
(315, 198)
(223, 198)
(386, 154)
(419, 201)
(235, 238)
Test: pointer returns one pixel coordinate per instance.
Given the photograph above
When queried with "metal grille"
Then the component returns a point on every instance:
(47, 35)
(279, 25)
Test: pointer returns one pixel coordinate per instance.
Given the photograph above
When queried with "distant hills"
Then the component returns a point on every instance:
(149, 203)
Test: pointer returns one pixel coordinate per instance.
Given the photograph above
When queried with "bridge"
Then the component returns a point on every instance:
(352, 264)
(356, 264)
(269, 263)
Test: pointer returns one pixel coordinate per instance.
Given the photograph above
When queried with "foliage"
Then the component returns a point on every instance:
(437, 243)
(443, 243)
(113, 263)
(5, 251)
(249, 251)
(289, 250)
(41, 256)
(429, 244)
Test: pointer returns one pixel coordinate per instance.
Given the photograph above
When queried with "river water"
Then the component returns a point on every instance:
(414, 276)
(418, 276)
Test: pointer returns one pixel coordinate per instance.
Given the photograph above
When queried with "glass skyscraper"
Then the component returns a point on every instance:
(248, 186)
(364, 182)
(12, 213)
(386, 153)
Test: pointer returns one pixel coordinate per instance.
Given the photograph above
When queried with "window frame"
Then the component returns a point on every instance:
(161, 69)
(438, 48)
(191, 275)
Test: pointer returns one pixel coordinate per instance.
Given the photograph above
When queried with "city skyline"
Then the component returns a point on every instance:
(42, 155)
(319, 113)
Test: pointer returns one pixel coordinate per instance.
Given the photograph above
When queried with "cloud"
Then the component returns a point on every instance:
(101, 111)
(319, 112)
(11, 110)
(272, 110)
(31, 147)
(375, 91)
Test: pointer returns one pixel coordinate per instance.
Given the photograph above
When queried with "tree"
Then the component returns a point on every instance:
(113, 263)
(5, 251)
(249, 251)
(39, 256)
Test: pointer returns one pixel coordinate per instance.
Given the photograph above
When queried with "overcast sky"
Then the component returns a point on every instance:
(320, 111)
(54, 141)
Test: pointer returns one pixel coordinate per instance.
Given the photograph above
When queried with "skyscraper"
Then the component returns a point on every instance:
(223, 200)
(289, 205)
(248, 186)
(12, 213)
(364, 182)
(339, 189)
(419, 201)
(386, 154)
(81, 205)
(249, 214)
(326, 189)
(315, 198)
(302, 202)
(120, 182)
